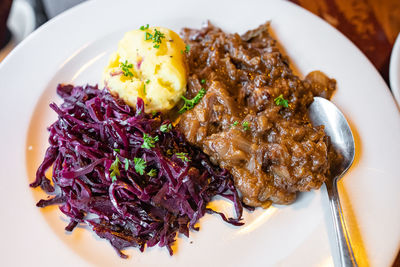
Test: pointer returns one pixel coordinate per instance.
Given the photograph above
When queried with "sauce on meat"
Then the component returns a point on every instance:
(272, 151)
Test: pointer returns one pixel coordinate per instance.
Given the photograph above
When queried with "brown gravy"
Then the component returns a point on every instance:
(271, 150)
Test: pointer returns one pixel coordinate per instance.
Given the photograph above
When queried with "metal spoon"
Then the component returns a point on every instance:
(324, 112)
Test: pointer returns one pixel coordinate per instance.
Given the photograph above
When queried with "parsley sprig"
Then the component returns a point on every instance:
(166, 127)
(148, 141)
(280, 101)
(115, 169)
(140, 165)
(245, 125)
(187, 48)
(143, 28)
(190, 103)
(152, 173)
(126, 68)
(156, 37)
(182, 156)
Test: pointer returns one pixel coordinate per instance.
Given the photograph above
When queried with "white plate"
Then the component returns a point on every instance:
(394, 70)
(75, 46)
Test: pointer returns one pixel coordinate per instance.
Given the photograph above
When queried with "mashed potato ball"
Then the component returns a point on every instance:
(149, 63)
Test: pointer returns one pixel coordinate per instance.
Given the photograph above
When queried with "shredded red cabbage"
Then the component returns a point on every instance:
(92, 149)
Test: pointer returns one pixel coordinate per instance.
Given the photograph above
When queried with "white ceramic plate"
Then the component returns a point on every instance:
(394, 70)
(75, 46)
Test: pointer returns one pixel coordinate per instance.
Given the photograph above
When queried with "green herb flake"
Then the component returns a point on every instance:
(117, 150)
(245, 125)
(143, 28)
(148, 36)
(190, 103)
(148, 141)
(187, 48)
(152, 173)
(154, 113)
(166, 127)
(235, 123)
(140, 165)
(203, 81)
(280, 101)
(156, 37)
(182, 156)
(144, 89)
(114, 169)
(126, 164)
(126, 68)
(147, 81)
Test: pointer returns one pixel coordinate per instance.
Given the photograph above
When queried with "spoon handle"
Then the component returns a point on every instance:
(346, 253)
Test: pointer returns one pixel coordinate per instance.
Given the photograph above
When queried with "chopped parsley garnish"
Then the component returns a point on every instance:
(126, 68)
(245, 125)
(182, 156)
(165, 127)
(140, 165)
(114, 169)
(126, 164)
(148, 36)
(187, 49)
(147, 81)
(203, 81)
(152, 173)
(143, 28)
(280, 101)
(116, 150)
(148, 141)
(235, 123)
(156, 37)
(190, 103)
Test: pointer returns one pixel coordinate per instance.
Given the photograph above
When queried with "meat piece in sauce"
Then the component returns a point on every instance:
(273, 152)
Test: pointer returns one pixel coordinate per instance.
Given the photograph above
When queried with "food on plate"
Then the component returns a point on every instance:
(121, 167)
(149, 63)
(253, 120)
(128, 175)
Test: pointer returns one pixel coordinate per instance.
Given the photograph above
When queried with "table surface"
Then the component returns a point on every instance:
(372, 25)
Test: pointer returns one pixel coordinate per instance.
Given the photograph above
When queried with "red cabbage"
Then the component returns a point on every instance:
(128, 209)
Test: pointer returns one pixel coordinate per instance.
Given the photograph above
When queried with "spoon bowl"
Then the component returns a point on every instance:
(324, 112)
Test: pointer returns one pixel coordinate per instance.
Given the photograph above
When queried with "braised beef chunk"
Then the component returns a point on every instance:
(242, 123)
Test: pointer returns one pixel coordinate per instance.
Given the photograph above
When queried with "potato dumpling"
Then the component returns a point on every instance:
(149, 63)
